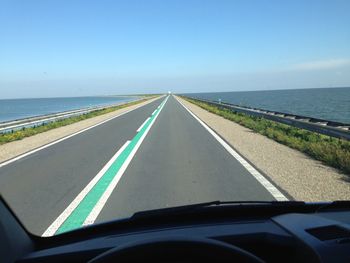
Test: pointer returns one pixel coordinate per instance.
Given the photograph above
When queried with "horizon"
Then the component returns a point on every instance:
(135, 94)
(83, 49)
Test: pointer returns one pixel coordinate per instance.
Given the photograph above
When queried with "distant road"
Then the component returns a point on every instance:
(155, 156)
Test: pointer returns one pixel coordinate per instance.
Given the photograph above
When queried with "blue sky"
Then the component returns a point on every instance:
(74, 48)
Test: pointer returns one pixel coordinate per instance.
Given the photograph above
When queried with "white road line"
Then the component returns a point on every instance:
(51, 230)
(143, 124)
(154, 112)
(64, 138)
(258, 176)
(102, 201)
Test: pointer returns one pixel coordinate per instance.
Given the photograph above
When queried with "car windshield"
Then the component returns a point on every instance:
(111, 108)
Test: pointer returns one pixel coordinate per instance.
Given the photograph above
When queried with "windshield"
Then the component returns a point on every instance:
(110, 108)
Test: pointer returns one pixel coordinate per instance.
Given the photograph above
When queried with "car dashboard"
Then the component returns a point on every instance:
(292, 237)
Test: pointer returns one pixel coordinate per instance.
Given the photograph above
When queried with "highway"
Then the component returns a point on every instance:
(158, 155)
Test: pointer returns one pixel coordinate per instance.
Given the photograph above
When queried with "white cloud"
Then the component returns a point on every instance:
(321, 64)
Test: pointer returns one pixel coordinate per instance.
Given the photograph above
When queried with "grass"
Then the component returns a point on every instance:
(26, 132)
(331, 151)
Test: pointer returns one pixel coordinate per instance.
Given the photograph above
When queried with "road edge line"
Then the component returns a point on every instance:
(277, 194)
(18, 157)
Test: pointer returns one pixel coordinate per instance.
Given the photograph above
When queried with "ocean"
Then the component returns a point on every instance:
(326, 103)
(13, 109)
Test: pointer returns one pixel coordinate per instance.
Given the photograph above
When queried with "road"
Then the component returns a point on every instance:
(158, 155)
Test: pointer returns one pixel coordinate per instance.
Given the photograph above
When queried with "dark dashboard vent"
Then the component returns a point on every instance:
(329, 232)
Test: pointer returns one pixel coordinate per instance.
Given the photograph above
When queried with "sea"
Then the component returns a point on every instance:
(324, 103)
(13, 109)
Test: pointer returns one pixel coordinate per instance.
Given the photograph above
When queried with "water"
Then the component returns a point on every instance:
(12, 109)
(329, 103)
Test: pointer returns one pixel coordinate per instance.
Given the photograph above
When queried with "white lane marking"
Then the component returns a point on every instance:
(64, 138)
(102, 201)
(51, 230)
(258, 176)
(154, 112)
(143, 124)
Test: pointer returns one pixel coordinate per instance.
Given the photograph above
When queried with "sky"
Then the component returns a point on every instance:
(83, 48)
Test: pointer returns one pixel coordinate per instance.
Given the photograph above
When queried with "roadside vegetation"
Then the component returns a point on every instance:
(331, 151)
(26, 132)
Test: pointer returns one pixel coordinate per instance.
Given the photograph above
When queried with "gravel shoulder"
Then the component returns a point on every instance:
(15, 148)
(297, 174)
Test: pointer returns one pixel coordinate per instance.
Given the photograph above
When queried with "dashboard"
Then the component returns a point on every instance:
(294, 237)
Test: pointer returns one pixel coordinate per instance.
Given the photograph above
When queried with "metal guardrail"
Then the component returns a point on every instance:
(15, 125)
(330, 128)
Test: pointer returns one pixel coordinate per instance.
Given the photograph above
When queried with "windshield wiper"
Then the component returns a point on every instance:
(198, 206)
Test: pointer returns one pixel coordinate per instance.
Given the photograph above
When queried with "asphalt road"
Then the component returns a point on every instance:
(173, 160)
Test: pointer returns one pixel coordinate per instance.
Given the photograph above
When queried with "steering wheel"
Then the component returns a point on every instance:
(176, 249)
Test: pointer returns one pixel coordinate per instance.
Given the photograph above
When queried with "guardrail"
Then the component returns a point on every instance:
(6, 127)
(330, 128)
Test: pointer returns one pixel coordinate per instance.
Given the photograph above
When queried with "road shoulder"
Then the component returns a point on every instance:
(299, 175)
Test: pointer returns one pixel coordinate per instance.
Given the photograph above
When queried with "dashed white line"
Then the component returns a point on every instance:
(143, 124)
(64, 138)
(102, 201)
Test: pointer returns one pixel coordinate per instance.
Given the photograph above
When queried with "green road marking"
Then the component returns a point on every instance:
(81, 212)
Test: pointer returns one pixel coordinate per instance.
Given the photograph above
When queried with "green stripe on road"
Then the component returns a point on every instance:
(81, 212)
